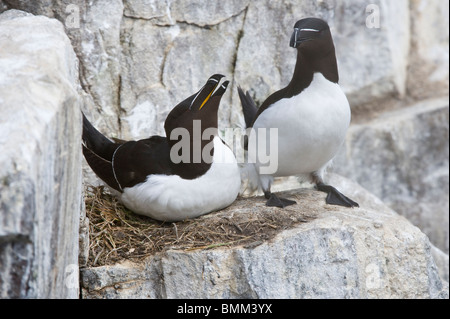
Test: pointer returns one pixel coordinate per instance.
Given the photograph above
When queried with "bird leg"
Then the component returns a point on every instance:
(275, 201)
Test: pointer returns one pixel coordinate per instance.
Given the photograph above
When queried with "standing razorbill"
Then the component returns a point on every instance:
(311, 114)
(189, 173)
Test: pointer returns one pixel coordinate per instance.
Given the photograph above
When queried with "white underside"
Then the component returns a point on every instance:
(172, 198)
(311, 129)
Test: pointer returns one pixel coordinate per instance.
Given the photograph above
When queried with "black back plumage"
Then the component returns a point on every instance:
(127, 164)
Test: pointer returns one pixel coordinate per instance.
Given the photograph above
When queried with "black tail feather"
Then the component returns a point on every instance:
(96, 142)
(98, 151)
(248, 107)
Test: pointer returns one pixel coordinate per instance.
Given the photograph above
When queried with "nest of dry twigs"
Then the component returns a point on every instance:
(116, 233)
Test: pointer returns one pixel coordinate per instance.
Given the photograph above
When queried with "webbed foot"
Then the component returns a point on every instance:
(335, 197)
(275, 201)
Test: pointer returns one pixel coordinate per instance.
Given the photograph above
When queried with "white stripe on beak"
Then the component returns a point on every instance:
(310, 30)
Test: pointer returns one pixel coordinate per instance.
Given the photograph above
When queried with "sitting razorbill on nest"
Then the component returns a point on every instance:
(181, 176)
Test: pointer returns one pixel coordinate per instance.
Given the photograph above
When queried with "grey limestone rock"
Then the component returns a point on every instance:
(402, 157)
(369, 252)
(40, 161)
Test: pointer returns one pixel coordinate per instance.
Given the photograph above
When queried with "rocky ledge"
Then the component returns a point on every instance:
(368, 252)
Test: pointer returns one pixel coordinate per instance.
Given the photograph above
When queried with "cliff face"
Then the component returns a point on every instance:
(40, 161)
(415, 136)
(139, 58)
(127, 63)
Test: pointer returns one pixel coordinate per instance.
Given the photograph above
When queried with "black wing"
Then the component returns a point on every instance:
(134, 161)
(124, 164)
(101, 167)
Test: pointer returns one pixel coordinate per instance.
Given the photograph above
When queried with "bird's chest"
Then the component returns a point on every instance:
(310, 127)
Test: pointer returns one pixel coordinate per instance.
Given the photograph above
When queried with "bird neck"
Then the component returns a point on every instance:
(307, 65)
(194, 150)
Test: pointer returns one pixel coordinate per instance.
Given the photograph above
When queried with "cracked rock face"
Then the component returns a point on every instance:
(141, 57)
(40, 161)
(138, 58)
(369, 252)
(410, 169)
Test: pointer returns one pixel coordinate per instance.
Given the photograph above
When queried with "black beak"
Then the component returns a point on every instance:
(206, 92)
(221, 90)
(302, 35)
(294, 35)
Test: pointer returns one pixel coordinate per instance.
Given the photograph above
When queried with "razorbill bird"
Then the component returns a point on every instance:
(188, 173)
(311, 114)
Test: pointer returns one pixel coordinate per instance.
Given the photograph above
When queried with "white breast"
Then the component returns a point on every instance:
(311, 128)
(172, 198)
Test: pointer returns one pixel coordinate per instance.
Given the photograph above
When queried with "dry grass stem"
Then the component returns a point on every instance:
(116, 233)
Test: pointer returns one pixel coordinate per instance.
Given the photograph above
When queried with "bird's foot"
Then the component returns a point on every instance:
(335, 197)
(275, 201)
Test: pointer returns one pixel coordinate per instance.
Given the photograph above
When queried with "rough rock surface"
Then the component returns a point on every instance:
(132, 71)
(132, 74)
(408, 166)
(131, 67)
(428, 74)
(369, 252)
(130, 51)
(40, 162)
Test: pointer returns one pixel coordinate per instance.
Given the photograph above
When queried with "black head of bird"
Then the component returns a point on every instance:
(314, 43)
(312, 36)
(201, 106)
(197, 117)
